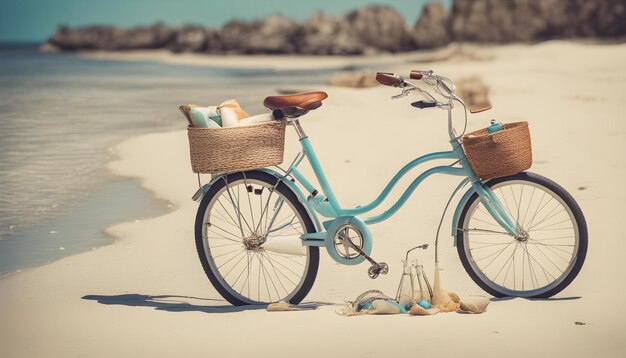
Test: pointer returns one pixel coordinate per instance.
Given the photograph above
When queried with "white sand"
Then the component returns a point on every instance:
(284, 62)
(156, 300)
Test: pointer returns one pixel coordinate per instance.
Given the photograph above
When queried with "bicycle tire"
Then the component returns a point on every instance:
(580, 238)
(203, 246)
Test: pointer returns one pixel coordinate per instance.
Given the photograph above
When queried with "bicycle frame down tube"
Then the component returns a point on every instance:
(396, 178)
(332, 200)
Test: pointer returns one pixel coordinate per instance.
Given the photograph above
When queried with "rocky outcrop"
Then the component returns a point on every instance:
(112, 38)
(327, 35)
(369, 30)
(503, 21)
(380, 28)
(372, 29)
(273, 34)
(189, 39)
(432, 28)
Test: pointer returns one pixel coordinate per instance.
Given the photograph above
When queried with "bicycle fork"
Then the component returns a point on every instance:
(496, 210)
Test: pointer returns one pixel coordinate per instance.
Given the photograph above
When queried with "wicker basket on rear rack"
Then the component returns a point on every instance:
(233, 149)
(505, 152)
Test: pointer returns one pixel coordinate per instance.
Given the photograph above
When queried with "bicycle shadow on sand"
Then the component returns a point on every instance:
(174, 303)
(551, 299)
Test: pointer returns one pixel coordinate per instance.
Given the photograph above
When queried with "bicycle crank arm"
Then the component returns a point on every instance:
(376, 268)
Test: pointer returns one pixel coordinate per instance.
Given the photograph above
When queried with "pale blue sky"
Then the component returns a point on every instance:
(35, 20)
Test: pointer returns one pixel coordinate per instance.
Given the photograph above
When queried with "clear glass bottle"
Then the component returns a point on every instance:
(404, 296)
(421, 291)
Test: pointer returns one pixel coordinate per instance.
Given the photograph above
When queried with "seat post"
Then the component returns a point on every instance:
(296, 124)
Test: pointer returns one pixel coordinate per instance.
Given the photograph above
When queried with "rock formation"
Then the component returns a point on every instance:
(503, 21)
(371, 29)
(380, 28)
(432, 28)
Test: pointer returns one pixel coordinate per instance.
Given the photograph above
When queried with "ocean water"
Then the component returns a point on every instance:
(60, 116)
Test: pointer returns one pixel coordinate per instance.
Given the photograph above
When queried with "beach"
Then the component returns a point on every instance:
(147, 295)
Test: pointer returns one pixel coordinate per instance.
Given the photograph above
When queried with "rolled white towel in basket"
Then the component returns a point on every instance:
(229, 117)
(261, 118)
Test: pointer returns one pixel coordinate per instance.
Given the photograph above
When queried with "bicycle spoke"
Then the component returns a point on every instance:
(237, 210)
(233, 220)
(514, 200)
(556, 223)
(484, 222)
(521, 195)
(548, 214)
(505, 263)
(231, 259)
(540, 209)
(555, 229)
(506, 203)
(532, 194)
(223, 245)
(270, 277)
(487, 246)
(551, 249)
(546, 273)
(221, 218)
(497, 253)
(266, 207)
(556, 238)
(276, 274)
(236, 239)
(549, 260)
(249, 201)
(227, 253)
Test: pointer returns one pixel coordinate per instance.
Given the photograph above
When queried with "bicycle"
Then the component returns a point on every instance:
(255, 249)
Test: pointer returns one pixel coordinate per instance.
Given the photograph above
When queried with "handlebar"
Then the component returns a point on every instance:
(418, 75)
(440, 84)
(389, 79)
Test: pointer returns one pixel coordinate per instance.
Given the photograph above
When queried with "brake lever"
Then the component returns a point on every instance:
(398, 96)
(405, 92)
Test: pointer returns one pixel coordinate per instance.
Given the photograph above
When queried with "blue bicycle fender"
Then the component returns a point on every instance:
(459, 208)
(291, 185)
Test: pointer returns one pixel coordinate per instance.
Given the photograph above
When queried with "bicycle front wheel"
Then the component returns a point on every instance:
(544, 259)
(248, 231)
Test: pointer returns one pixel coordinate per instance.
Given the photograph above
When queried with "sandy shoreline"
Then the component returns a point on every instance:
(452, 52)
(147, 294)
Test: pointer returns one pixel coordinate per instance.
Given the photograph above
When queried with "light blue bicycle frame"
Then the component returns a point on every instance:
(326, 203)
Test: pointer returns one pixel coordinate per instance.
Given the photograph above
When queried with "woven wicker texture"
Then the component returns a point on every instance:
(231, 149)
(505, 152)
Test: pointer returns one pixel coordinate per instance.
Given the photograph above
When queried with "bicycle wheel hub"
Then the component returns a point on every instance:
(523, 236)
(253, 242)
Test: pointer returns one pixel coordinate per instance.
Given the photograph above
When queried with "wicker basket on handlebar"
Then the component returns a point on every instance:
(505, 152)
(232, 149)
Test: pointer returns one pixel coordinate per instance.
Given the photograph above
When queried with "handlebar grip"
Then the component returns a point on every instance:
(416, 75)
(389, 79)
(424, 104)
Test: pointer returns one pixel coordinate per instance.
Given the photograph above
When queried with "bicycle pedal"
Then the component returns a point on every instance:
(375, 270)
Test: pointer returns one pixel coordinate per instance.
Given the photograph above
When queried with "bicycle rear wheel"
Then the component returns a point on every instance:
(540, 263)
(247, 232)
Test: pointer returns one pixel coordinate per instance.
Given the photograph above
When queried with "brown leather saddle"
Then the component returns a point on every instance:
(295, 105)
